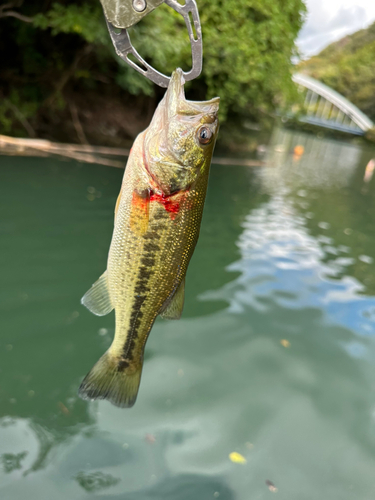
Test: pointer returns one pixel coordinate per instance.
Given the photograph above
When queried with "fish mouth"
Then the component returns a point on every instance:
(178, 104)
(177, 83)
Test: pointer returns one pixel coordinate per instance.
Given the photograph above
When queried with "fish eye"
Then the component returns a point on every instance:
(204, 135)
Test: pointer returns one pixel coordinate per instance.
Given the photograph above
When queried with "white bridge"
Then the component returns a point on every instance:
(327, 108)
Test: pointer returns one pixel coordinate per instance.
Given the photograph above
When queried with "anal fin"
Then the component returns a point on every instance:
(173, 308)
(97, 299)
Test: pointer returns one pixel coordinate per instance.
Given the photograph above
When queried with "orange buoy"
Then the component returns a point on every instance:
(299, 150)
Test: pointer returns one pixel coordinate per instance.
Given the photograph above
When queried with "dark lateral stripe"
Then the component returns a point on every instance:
(151, 247)
(135, 322)
(141, 290)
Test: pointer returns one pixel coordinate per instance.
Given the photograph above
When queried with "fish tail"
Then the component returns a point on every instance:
(108, 379)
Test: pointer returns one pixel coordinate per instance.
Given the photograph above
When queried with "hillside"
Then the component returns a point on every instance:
(348, 66)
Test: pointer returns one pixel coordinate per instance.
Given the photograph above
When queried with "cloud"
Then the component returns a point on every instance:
(348, 18)
(325, 26)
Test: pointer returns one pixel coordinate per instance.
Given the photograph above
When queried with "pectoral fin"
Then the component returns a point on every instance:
(97, 299)
(174, 307)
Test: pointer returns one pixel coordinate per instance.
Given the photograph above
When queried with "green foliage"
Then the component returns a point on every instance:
(248, 46)
(83, 20)
(348, 66)
(14, 111)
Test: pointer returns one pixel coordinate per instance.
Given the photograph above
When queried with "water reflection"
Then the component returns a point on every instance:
(323, 163)
(281, 263)
(273, 358)
(181, 487)
(326, 188)
(95, 481)
(12, 462)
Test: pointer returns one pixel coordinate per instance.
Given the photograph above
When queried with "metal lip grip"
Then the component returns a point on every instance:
(125, 13)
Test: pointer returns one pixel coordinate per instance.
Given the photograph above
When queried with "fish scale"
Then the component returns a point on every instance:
(157, 223)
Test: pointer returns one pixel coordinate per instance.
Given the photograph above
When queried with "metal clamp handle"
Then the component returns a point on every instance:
(126, 13)
(124, 47)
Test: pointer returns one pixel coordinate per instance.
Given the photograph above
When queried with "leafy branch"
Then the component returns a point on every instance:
(6, 12)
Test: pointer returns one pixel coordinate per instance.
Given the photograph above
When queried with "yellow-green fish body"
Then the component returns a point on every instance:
(157, 221)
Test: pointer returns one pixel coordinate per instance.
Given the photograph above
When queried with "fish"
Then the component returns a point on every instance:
(157, 222)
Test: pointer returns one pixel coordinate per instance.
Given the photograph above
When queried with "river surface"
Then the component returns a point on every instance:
(274, 357)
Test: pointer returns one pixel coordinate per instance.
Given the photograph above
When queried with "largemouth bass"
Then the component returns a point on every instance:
(157, 221)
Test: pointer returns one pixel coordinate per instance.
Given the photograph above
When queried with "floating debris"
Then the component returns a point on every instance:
(150, 438)
(63, 408)
(298, 150)
(237, 458)
(271, 486)
(285, 343)
(369, 171)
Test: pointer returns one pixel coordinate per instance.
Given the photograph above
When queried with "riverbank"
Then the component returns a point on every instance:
(102, 155)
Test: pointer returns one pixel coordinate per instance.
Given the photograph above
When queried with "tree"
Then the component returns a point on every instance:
(50, 50)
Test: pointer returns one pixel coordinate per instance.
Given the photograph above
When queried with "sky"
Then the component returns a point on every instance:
(330, 20)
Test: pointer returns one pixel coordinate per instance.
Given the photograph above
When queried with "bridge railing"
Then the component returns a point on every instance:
(327, 108)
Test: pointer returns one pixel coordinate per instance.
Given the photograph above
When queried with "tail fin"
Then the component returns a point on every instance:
(107, 380)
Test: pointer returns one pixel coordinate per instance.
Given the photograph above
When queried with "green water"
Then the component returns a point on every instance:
(274, 357)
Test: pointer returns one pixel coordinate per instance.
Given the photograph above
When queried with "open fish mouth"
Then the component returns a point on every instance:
(177, 101)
